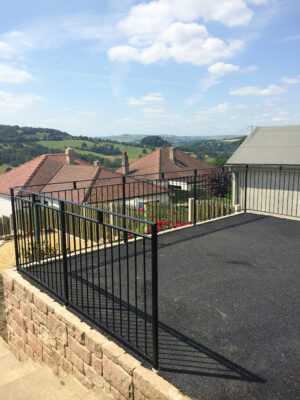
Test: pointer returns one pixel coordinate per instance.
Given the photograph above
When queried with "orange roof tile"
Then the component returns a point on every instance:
(159, 161)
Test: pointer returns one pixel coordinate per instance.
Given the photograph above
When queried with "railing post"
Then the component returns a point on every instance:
(36, 220)
(74, 185)
(64, 251)
(154, 298)
(246, 184)
(12, 196)
(124, 205)
(195, 194)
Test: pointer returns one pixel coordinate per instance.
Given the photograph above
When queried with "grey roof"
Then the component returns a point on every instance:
(275, 145)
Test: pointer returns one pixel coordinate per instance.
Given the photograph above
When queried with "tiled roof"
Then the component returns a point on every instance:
(159, 161)
(36, 172)
(96, 184)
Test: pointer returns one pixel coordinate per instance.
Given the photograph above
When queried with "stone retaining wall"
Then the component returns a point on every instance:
(43, 330)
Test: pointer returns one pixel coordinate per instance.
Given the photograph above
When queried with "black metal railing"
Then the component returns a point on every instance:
(171, 201)
(101, 263)
(273, 189)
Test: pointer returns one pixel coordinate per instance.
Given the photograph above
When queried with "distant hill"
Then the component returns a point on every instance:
(21, 144)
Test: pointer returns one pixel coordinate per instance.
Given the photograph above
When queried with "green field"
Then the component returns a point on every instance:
(132, 152)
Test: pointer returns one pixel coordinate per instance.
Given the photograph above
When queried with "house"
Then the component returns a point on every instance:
(56, 174)
(96, 185)
(266, 171)
(34, 174)
(169, 163)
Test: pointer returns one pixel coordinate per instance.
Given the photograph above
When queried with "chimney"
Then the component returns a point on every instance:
(125, 164)
(97, 163)
(70, 156)
(172, 153)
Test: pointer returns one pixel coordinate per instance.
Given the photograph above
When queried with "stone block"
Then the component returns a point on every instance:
(41, 301)
(12, 300)
(18, 317)
(94, 341)
(83, 379)
(66, 366)
(117, 395)
(97, 364)
(47, 337)
(58, 328)
(74, 360)
(80, 330)
(25, 309)
(128, 363)
(153, 386)
(79, 350)
(93, 376)
(112, 351)
(35, 345)
(117, 377)
(8, 279)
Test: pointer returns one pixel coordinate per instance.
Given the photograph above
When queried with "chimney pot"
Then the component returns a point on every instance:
(70, 156)
(97, 163)
(125, 164)
(172, 153)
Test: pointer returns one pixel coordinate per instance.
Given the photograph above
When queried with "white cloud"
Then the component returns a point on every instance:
(211, 111)
(165, 30)
(150, 98)
(10, 103)
(250, 68)
(270, 90)
(290, 81)
(183, 43)
(279, 119)
(13, 75)
(220, 68)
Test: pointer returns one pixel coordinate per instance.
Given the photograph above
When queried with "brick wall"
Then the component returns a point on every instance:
(43, 330)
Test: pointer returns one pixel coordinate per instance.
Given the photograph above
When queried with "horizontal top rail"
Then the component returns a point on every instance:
(133, 177)
(77, 204)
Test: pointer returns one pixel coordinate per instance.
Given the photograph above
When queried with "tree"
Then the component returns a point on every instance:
(155, 141)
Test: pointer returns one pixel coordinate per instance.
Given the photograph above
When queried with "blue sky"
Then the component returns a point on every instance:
(183, 67)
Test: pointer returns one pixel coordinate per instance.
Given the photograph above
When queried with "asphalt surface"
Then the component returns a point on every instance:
(231, 289)
(228, 304)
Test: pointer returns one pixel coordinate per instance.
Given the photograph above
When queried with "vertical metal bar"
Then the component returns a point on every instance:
(246, 184)
(124, 205)
(195, 194)
(64, 251)
(12, 196)
(154, 298)
(36, 220)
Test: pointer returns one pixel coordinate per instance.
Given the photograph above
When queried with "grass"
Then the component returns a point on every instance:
(132, 152)
(232, 140)
(3, 168)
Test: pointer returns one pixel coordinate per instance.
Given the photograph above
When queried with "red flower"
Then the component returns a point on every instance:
(29, 230)
(150, 229)
(173, 212)
(141, 209)
(130, 234)
(167, 222)
(160, 222)
(153, 216)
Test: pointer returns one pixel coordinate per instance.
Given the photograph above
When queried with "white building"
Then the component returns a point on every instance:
(266, 171)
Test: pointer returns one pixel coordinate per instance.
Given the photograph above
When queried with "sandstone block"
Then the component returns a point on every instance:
(79, 350)
(25, 309)
(18, 317)
(83, 379)
(74, 360)
(58, 328)
(41, 301)
(153, 386)
(112, 351)
(117, 377)
(8, 279)
(129, 363)
(35, 345)
(97, 364)
(80, 330)
(94, 341)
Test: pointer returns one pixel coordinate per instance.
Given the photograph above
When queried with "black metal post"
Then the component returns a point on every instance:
(74, 185)
(12, 196)
(246, 184)
(195, 193)
(124, 205)
(154, 298)
(64, 251)
(36, 220)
